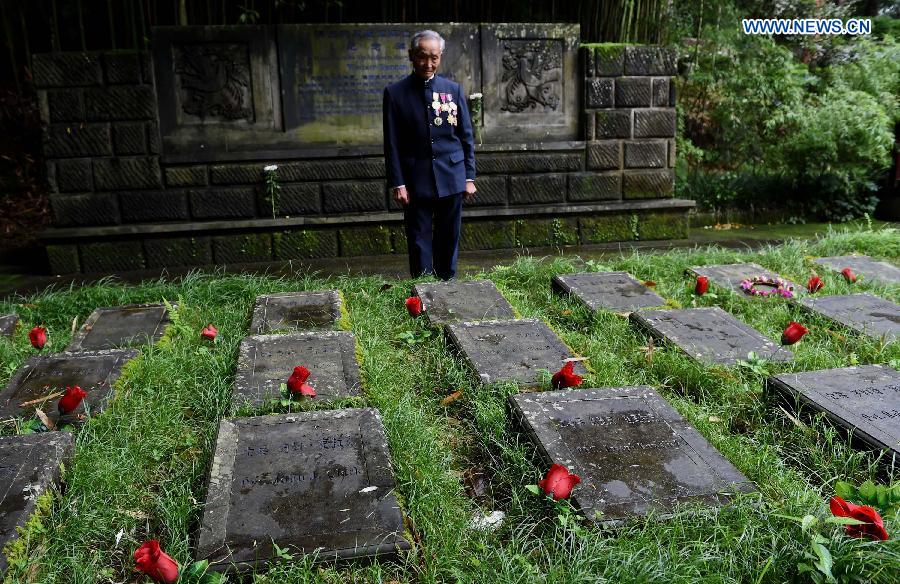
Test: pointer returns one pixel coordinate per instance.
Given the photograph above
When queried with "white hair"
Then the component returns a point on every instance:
(425, 34)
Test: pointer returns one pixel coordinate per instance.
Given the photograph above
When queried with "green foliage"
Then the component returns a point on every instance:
(886, 499)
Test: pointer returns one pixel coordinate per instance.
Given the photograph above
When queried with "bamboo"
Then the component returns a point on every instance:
(54, 27)
(112, 23)
(80, 10)
(7, 28)
(25, 42)
(182, 13)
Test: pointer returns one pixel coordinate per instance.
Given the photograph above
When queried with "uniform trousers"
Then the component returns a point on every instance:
(432, 234)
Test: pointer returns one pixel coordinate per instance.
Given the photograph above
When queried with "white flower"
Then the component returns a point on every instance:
(271, 168)
(491, 521)
(475, 96)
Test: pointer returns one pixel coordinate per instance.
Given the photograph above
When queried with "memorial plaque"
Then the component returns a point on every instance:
(709, 335)
(462, 301)
(633, 451)
(29, 465)
(863, 399)
(40, 381)
(266, 361)
(8, 324)
(311, 482)
(870, 269)
(614, 291)
(295, 311)
(510, 350)
(731, 276)
(121, 326)
(864, 313)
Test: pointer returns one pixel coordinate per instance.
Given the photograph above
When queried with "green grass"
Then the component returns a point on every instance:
(139, 466)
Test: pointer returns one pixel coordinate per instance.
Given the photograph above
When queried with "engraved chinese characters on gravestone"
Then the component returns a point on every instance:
(633, 451)
(312, 482)
(868, 268)
(29, 465)
(731, 276)
(266, 361)
(614, 291)
(864, 313)
(40, 381)
(121, 326)
(8, 324)
(462, 301)
(863, 399)
(510, 350)
(709, 335)
(295, 311)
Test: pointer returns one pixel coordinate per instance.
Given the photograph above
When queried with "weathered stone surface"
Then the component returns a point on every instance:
(660, 92)
(219, 203)
(613, 124)
(139, 172)
(546, 232)
(144, 206)
(305, 243)
(65, 105)
(298, 199)
(645, 154)
(63, 259)
(599, 92)
(66, 69)
(187, 176)
(492, 190)
(130, 138)
(510, 350)
(153, 138)
(605, 155)
(864, 313)
(610, 60)
(357, 241)
(112, 257)
(456, 301)
(656, 123)
(595, 186)
(590, 65)
(606, 228)
(671, 94)
(614, 291)
(121, 326)
(864, 400)
(267, 361)
(72, 140)
(178, 251)
(8, 324)
(634, 453)
(71, 210)
(120, 103)
(45, 375)
(29, 466)
(731, 275)
(633, 92)
(327, 170)
(516, 162)
(663, 226)
(73, 174)
(332, 466)
(672, 157)
(547, 188)
(643, 60)
(868, 268)
(709, 335)
(122, 68)
(487, 235)
(352, 197)
(295, 311)
(236, 249)
(649, 184)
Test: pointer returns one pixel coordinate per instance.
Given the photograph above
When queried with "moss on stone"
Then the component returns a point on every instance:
(356, 241)
(663, 226)
(605, 228)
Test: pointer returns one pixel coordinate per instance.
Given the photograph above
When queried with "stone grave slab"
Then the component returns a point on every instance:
(731, 275)
(614, 291)
(462, 301)
(863, 399)
(633, 451)
(29, 465)
(121, 326)
(310, 481)
(266, 361)
(864, 313)
(295, 311)
(709, 335)
(8, 324)
(510, 350)
(46, 375)
(871, 269)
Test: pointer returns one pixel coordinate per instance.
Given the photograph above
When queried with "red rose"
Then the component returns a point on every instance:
(701, 286)
(815, 284)
(297, 382)
(209, 332)
(793, 333)
(414, 306)
(873, 526)
(154, 562)
(849, 275)
(38, 337)
(71, 399)
(559, 482)
(565, 377)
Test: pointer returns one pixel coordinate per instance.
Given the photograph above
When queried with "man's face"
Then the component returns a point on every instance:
(426, 58)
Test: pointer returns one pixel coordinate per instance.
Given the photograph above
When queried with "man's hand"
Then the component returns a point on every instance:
(400, 195)
(470, 190)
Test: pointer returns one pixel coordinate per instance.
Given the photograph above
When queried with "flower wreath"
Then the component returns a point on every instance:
(782, 287)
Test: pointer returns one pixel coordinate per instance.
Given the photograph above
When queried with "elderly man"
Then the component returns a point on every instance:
(429, 154)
